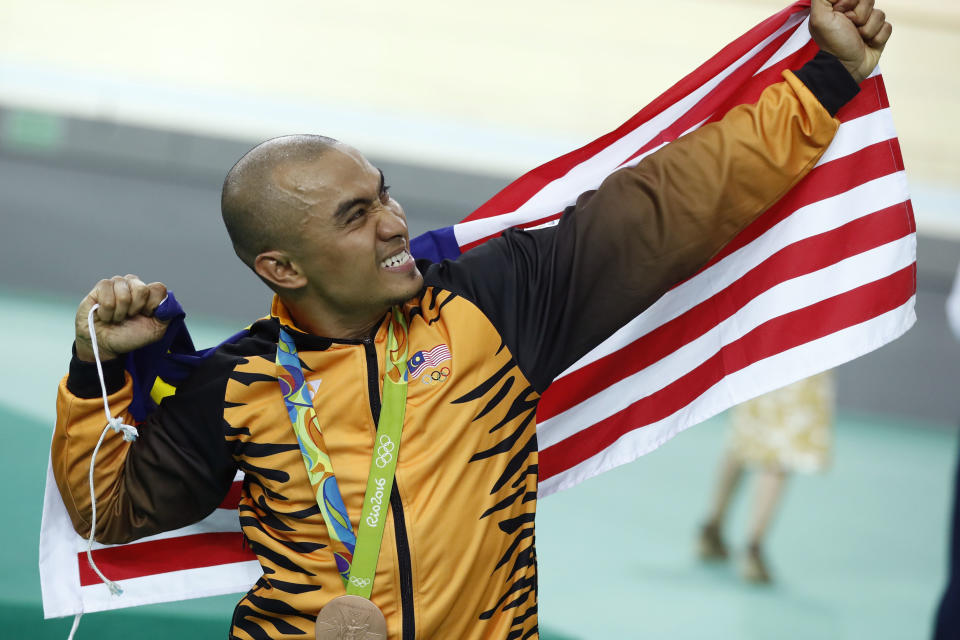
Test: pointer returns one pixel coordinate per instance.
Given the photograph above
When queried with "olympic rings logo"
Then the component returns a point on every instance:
(385, 451)
(359, 582)
(436, 376)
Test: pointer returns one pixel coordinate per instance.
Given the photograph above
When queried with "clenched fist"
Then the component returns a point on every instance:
(124, 322)
(851, 30)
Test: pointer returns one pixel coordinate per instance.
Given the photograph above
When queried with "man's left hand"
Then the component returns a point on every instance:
(852, 30)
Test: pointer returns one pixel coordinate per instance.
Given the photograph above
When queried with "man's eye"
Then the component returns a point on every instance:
(385, 194)
(356, 215)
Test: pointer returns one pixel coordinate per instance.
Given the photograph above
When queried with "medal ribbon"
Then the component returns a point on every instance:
(355, 554)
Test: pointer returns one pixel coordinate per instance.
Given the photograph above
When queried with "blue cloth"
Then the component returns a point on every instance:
(172, 358)
(436, 246)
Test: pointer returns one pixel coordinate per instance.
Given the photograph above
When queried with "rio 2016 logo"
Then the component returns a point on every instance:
(437, 376)
(376, 501)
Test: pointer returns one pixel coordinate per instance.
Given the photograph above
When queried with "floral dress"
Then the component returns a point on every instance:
(788, 429)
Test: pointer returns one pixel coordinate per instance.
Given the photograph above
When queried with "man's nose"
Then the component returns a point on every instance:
(391, 222)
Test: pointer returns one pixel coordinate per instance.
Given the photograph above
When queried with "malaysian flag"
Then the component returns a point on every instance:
(423, 360)
(824, 276)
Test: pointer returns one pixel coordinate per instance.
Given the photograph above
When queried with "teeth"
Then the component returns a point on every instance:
(397, 260)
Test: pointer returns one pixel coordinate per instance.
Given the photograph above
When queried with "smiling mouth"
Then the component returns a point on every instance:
(396, 260)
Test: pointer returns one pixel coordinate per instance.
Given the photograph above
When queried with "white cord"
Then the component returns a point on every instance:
(129, 434)
(76, 623)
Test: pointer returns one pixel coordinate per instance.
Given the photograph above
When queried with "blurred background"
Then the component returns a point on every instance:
(118, 121)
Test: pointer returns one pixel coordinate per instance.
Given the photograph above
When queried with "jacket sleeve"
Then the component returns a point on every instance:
(556, 293)
(177, 471)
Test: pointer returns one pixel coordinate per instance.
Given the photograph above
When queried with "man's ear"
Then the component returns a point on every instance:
(277, 268)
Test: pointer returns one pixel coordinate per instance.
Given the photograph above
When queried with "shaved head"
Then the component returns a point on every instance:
(314, 219)
(260, 212)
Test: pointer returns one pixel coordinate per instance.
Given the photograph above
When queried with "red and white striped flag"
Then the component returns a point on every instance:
(826, 275)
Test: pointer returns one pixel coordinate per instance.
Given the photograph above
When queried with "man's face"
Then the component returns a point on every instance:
(354, 245)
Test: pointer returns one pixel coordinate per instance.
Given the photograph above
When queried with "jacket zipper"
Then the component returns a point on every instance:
(399, 522)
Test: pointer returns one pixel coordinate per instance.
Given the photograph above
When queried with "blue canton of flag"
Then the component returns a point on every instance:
(415, 362)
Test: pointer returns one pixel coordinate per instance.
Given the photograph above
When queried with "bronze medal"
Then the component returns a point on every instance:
(351, 618)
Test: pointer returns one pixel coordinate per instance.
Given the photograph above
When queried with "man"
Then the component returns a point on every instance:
(297, 400)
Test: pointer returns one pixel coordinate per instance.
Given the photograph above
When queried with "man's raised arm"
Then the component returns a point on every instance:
(178, 470)
(651, 226)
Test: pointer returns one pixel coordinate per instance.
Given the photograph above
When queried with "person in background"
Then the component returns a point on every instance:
(947, 624)
(782, 432)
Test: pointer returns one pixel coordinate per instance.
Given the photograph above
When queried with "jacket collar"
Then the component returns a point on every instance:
(303, 339)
